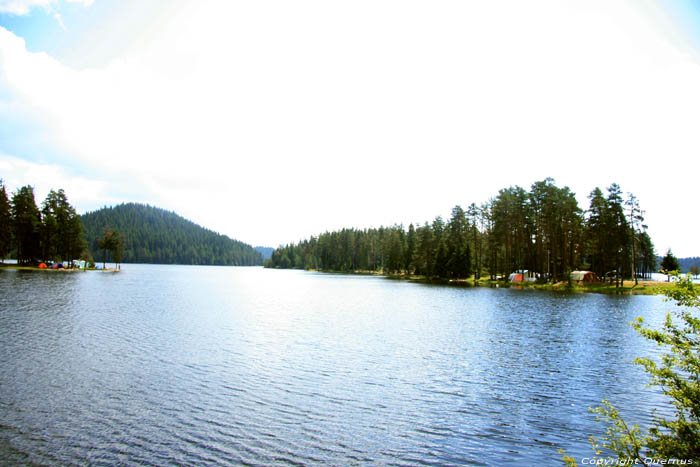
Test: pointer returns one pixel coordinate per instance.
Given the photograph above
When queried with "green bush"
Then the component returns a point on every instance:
(674, 441)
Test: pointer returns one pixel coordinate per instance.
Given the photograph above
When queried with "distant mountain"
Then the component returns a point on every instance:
(154, 235)
(265, 251)
(686, 263)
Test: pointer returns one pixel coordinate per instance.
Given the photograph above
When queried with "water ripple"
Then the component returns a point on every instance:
(195, 365)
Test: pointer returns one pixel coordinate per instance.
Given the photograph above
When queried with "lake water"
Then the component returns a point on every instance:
(207, 365)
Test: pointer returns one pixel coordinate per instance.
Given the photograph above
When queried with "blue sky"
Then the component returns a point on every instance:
(273, 121)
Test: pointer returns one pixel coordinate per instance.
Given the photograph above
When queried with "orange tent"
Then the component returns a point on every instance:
(516, 277)
(42, 266)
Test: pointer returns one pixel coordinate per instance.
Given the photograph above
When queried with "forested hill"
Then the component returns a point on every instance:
(154, 235)
(687, 263)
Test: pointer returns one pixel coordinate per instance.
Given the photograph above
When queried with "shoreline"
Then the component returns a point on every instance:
(627, 288)
(16, 267)
(644, 287)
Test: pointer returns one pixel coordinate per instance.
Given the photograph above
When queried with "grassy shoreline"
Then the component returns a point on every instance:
(644, 287)
(627, 288)
(34, 268)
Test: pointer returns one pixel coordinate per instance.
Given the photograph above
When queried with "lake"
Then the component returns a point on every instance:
(193, 365)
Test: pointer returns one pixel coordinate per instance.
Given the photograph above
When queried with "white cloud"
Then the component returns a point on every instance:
(274, 122)
(81, 191)
(23, 7)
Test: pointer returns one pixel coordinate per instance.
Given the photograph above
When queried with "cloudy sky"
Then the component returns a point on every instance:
(270, 121)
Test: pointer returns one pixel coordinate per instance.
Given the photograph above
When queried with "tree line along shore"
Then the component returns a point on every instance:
(134, 233)
(53, 233)
(542, 233)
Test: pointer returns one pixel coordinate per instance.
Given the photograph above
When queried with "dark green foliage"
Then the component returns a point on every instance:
(688, 263)
(597, 237)
(474, 218)
(670, 263)
(53, 234)
(438, 249)
(647, 257)
(410, 250)
(676, 372)
(542, 230)
(685, 263)
(154, 235)
(618, 230)
(394, 248)
(5, 223)
(114, 243)
(26, 221)
(616, 242)
(425, 254)
(635, 221)
(539, 231)
(61, 229)
(458, 254)
(345, 250)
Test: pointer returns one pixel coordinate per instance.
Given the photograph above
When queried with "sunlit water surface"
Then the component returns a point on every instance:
(207, 365)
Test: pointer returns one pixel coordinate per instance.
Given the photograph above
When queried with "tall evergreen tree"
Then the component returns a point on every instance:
(49, 227)
(118, 248)
(395, 250)
(635, 219)
(439, 248)
(458, 254)
(647, 255)
(473, 219)
(669, 263)
(410, 251)
(26, 220)
(62, 231)
(618, 230)
(425, 263)
(5, 223)
(597, 232)
(109, 242)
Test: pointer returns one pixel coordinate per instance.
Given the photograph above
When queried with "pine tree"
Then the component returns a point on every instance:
(669, 263)
(618, 230)
(458, 254)
(26, 221)
(49, 227)
(647, 255)
(426, 255)
(473, 216)
(596, 232)
(636, 218)
(108, 243)
(5, 223)
(409, 253)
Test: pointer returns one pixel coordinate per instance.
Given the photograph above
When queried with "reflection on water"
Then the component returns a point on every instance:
(193, 365)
